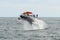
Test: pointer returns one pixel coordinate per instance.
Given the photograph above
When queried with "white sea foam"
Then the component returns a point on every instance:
(37, 24)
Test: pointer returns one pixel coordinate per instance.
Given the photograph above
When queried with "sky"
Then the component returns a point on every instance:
(44, 8)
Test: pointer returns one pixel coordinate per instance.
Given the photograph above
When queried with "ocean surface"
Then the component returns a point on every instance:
(10, 29)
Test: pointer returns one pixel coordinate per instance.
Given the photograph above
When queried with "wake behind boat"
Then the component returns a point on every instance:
(29, 19)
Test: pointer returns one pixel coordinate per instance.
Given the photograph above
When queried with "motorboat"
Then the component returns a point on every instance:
(33, 20)
(28, 16)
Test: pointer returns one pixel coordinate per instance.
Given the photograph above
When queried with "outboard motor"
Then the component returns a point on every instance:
(37, 16)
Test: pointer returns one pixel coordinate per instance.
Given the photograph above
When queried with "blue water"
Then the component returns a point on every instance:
(10, 29)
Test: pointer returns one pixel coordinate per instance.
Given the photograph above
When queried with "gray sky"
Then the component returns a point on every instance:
(44, 8)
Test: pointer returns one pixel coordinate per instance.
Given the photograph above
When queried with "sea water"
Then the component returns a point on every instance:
(37, 24)
(10, 29)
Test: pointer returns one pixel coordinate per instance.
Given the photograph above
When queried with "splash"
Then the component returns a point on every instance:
(37, 24)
